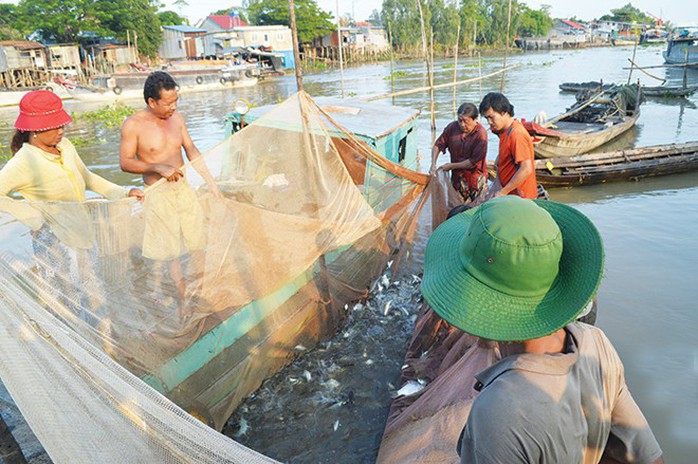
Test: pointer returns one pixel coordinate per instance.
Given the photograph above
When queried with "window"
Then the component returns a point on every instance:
(254, 37)
(266, 38)
(279, 36)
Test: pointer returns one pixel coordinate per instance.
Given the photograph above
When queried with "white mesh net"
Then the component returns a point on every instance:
(199, 293)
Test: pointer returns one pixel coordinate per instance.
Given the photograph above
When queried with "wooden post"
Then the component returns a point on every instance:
(632, 62)
(392, 75)
(296, 49)
(506, 48)
(339, 44)
(135, 45)
(431, 85)
(455, 71)
(685, 67)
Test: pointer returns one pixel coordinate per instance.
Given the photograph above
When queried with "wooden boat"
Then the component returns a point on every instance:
(628, 164)
(682, 47)
(663, 91)
(577, 138)
(201, 78)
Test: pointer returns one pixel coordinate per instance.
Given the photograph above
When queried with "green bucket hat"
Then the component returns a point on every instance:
(513, 269)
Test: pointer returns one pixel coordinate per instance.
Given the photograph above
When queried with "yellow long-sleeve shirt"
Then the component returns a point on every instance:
(41, 176)
(54, 187)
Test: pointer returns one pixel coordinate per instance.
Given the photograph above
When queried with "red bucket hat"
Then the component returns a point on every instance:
(41, 110)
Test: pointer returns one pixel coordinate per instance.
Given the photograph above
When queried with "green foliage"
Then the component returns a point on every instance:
(375, 18)
(628, 14)
(481, 21)
(67, 20)
(170, 18)
(532, 23)
(311, 20)
(8, 28)
(106, 117)
(396, 75)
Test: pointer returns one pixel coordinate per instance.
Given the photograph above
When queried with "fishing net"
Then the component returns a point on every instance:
(199, 293)
(618, 100)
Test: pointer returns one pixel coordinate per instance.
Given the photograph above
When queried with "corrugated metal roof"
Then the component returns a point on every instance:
(21, 44)
(184, 28)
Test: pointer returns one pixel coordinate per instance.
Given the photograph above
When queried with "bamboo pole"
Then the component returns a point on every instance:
(392, 73)
(424, 35)
(455, 70)
(296, 51)
(479, 72)
(339, 44)
(685, 69)
(506, 48)
(633, 64)
(440, 86)
(431, 85)
(430, 74)
(668, 65)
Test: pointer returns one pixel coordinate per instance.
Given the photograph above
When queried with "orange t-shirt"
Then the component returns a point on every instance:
(515, 146)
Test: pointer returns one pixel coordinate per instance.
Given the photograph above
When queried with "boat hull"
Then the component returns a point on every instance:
(572, 144)
(621, 165)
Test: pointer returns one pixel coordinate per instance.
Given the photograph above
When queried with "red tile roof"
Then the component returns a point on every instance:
(227, 22)
(572, 24)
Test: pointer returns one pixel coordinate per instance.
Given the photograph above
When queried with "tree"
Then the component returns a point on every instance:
(9, 29)
(170, 18)
(375, 18)
(68, 20)
(532, 23)
(136, 16)
(628, 14)
(311, 20)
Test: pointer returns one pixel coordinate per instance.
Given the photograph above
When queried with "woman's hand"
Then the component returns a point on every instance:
(136, 192)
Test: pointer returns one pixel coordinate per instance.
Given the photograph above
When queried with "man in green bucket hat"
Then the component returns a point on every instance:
(519, 272)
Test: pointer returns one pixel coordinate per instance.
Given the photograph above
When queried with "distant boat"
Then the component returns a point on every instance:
(666, 91)
(589, 123)
(195, 76)
(631, 164)
(682, 47)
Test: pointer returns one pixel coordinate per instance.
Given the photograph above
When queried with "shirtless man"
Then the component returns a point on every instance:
(151, 144)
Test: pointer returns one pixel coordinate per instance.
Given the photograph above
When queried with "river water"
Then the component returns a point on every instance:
(648, 297)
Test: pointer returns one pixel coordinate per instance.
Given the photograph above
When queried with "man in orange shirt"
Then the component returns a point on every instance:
(515, 168)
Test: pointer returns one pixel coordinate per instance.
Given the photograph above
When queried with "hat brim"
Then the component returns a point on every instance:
(478, 309)
(33, 123)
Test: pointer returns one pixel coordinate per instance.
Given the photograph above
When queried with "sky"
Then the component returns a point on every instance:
(677, 11)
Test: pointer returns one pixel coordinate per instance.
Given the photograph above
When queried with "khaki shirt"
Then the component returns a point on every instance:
(562, 408)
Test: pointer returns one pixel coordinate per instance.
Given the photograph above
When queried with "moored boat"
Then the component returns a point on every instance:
(682, 47)
(662, 91)
(191, 79)
(591, 122)
(631, 164)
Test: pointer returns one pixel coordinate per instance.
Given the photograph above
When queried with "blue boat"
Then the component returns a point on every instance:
(682, 47)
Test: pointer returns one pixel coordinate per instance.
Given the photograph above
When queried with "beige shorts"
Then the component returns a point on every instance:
(172, 215)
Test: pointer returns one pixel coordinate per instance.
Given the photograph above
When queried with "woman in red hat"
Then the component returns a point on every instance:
(45, 167)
